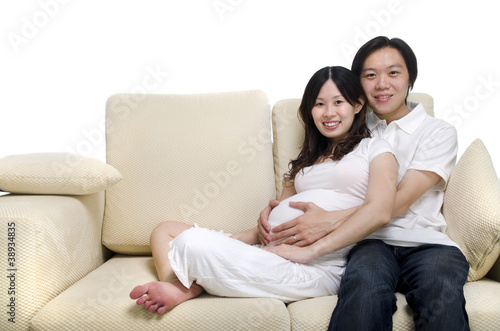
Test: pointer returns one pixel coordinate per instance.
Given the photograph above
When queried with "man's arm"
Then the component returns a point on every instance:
(313, 225)
(316, 222)
(375, 212)
(411, 187)
(432, 163)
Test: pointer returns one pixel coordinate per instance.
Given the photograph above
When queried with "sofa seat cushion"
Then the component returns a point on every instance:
(100, 301)
(314, 314)
(482, 302)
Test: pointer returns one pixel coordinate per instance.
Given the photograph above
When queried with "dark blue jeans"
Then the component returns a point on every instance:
(431, 276)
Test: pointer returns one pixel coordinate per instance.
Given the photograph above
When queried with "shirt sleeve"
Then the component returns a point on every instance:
(378, 146)
(437, 152)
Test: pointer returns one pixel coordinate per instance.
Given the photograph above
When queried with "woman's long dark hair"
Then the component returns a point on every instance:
(316, 145)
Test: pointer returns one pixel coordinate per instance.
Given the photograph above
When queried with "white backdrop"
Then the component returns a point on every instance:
(61, 59)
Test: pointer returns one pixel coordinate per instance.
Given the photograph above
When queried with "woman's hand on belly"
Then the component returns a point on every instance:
(263, 224)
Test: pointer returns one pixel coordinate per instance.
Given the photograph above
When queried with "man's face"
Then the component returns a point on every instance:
(385, 80)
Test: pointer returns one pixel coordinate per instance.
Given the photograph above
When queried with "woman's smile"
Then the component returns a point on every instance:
(331, 125)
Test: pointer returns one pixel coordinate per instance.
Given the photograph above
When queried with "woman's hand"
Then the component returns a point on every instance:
(263, 225)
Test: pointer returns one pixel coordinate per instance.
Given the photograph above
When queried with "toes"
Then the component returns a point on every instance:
(142, 300)
(153, 308)
(138, 292)
(148, 304)
(155, 296)
(161, 310)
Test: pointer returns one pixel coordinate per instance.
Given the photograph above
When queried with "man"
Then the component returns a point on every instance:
(411, 254)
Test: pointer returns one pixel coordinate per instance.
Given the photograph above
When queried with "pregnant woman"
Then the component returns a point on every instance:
(340, 166)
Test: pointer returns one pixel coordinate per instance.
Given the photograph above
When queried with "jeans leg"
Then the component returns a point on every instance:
(433, 276)
(366, 299)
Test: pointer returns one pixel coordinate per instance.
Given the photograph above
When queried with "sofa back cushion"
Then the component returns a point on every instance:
(288, 132)
(199, 158)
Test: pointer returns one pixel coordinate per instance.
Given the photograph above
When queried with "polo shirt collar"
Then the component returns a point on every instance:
(409, 123)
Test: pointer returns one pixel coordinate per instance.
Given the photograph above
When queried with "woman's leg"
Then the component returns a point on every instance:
(160, 240)
(227, 267)
(168, 292)
(250, 236)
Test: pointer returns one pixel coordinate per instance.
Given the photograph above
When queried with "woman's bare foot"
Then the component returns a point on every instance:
(162, 296)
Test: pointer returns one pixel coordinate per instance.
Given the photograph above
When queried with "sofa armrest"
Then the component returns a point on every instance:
(48, 242)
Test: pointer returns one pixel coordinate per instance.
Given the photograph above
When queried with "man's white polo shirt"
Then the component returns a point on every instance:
(420, 142)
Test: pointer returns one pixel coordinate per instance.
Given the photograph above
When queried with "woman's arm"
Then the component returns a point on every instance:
(375, 212)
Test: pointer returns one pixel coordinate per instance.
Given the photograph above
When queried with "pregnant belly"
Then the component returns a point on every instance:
(323, 198)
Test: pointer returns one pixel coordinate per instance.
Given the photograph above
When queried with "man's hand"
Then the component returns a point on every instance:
(313, 225)
(293, 253)
(263, 225)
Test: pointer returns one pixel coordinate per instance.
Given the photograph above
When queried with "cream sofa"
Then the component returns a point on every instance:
(75, 231)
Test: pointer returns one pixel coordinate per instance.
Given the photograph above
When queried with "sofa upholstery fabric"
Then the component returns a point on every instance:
(57, 242)
(55, 173)
(473, 223)
(204, 158)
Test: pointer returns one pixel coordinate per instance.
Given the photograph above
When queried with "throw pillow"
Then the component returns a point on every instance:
(55, 173)
(472, 209)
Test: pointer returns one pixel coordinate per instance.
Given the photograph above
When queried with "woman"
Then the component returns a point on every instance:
(332, 170)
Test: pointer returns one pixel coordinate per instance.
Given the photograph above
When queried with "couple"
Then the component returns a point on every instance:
(367, 229)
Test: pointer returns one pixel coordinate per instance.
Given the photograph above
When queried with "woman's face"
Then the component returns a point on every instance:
(332, 114)
(385, 80)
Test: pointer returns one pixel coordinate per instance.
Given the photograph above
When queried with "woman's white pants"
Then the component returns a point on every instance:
(224, 266)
